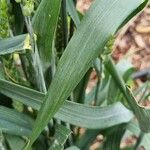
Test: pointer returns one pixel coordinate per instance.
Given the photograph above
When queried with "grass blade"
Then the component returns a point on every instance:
(93, 117)
(13, 122)
(113, 139)
(15, 142)
(73, 12)
(14, 44)
(48, 11)
(86, 44)
(77, 114)
(60, 137)
(142, 113)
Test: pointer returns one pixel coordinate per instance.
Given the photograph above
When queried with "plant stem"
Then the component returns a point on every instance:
(40, 82)
(98, 70)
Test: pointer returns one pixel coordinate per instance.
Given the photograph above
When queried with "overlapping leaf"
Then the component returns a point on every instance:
(77, 114)
(13, 122)
(101, 21)
(44, 24)
(72, 12)
(60, 137)
(114, 138)
(14, 44)
(142, 113)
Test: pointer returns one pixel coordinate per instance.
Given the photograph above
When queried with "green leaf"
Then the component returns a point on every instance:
(93, 117)
(14, 44)
(101, 21)
(48, 11)
(108, 91)
(113, 139)
(60, 137)
(22, 94)
(125, 70)
(13, 122)
(15, 142)
(142, 113)
(77, 114)
(73, 12)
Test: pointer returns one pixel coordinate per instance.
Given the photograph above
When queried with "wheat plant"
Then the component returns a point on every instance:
(48, 51)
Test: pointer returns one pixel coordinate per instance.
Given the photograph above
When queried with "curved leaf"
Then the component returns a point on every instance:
(101, 21)
(142, 113)
(92, 117)
(14, 44)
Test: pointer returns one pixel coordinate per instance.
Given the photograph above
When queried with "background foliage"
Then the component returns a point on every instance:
(48, 50)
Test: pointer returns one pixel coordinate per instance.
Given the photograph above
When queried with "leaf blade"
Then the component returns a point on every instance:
(14, 44)
(67, 77)
(92, 117)
(13, 122)
(45, 31)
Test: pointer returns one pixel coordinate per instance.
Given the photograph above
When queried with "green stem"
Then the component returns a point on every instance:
(98, 70)
(37, 67)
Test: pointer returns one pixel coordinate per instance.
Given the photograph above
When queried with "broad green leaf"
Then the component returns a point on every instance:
(113, 139)
(15, 142)
(142, 113)
(77, 114)
(99, 23)
(13, 122)
(44, 23)
(73, 12)
(60, 137)
(93, 117)
(15, 44)
(22, 94)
